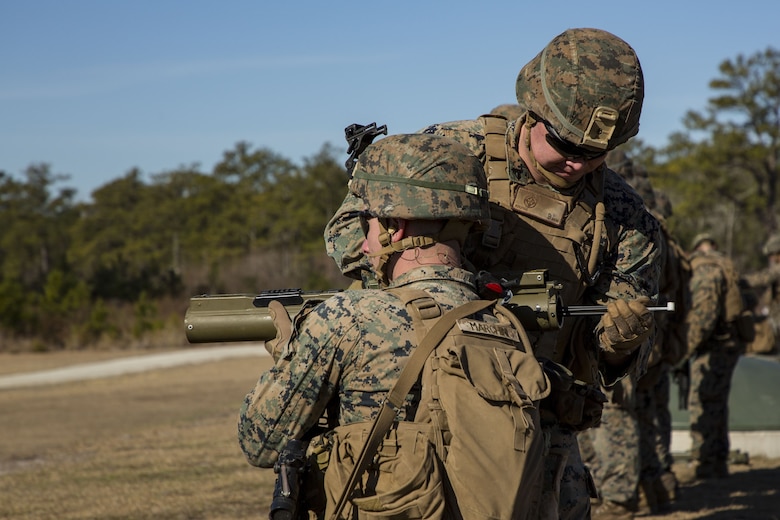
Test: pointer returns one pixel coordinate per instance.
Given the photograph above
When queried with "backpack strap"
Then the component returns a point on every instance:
(397, 395)
(497, 172)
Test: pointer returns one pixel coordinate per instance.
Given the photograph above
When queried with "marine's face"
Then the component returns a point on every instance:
(371, 243)
(561, 157)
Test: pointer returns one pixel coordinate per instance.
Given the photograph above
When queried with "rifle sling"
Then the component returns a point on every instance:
(397, 395)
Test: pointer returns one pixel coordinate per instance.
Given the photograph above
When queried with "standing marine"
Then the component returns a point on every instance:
(716, 340)
(347, 360)
(628, 453)
(555, 205)
(766, 286)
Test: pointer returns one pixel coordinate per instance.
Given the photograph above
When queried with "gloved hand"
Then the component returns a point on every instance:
(279, 346)
(625, 325)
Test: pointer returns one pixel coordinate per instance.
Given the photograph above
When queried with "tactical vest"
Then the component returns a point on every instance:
(477, 416)
(732, 304)
(735, 319)
(534, 227)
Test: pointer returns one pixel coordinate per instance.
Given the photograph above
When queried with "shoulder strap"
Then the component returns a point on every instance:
(496, 167)
(395, 398)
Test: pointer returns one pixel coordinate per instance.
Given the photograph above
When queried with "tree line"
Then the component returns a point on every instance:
(120, 268)
(123, 266)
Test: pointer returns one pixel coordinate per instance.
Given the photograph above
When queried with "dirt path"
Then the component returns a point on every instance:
(751, 492)
(94, 369)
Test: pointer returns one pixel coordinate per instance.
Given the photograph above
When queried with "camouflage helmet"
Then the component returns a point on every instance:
(511, 111)
(772, 245)
(702, 237)
(588, 85)
(421, 176)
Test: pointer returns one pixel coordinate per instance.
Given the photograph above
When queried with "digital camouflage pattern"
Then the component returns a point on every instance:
(630, 269)
(630, 265)
(635, 175)
(621, 450)
(628, 261)
(354, 345)
(651, 400)
(610, 451)
(509, 111)
(423, 177)
(580, 72)
(764, 286)
(655, 437)
(711, 373)
(714, 354)
(341, 349)
(567, 482)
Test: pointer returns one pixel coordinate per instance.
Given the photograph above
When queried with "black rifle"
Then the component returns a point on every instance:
(290, 469)
(681, 374)
(358, 138)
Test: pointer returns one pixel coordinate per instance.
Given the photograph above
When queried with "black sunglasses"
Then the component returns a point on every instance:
(364, 217)
(567, 149)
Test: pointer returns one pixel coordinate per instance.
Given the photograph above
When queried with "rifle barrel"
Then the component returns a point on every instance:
(595, 310)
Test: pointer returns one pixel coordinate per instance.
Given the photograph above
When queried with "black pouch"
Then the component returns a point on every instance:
(746, 326)
(576, 405)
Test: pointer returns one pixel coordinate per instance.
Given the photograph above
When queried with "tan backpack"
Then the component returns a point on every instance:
(475, 449)
(735, 312)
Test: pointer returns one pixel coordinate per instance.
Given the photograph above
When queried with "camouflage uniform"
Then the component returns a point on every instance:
(631, 445)
(766, 284)
(658, 482)
(627, 268)
(714, 352)
(610, 450)
(341, 349)
(341, 357)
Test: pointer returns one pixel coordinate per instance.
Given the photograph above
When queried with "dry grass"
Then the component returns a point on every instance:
(155, 445)
(163, 445)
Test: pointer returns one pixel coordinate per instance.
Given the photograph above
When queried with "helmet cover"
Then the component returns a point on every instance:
(421, 176)
(588, 84)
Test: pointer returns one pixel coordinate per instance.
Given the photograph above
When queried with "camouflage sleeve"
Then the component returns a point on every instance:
(633, 265)
(707, 286)
(763, 278)
(344, 238)
(289, 399)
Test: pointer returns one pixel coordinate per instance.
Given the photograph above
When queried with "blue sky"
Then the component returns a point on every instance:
(95, 88)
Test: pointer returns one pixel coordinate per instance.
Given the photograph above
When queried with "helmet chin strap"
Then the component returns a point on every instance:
(452, 230)
(552, 178)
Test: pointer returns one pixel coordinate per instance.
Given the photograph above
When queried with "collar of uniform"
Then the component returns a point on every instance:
(435, 273)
